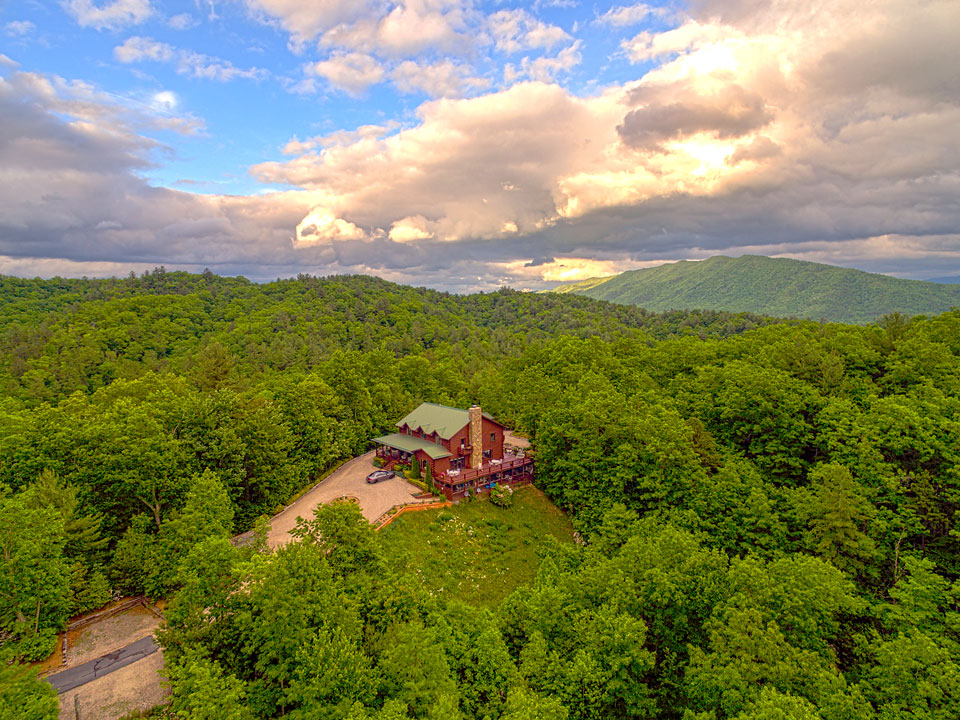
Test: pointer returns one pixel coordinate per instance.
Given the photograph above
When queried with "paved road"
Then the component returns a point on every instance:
(103, 665)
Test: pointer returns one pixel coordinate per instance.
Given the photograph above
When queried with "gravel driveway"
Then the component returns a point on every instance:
(351, 479)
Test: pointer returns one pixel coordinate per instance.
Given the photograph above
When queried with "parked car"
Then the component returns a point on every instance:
(378, 475)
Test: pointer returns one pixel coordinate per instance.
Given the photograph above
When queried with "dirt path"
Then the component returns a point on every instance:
(349, 480)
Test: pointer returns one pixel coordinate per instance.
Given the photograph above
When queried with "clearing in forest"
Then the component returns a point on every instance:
(475, 551)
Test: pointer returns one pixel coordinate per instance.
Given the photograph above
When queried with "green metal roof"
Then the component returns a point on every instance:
(411, 444)
(443, 420)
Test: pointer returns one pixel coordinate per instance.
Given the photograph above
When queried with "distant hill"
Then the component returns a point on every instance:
(770, 286)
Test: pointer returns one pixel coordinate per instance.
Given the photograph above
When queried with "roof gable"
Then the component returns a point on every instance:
(443, 420)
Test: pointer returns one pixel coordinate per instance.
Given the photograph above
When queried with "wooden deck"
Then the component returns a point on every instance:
(489, 468)
(511, 470)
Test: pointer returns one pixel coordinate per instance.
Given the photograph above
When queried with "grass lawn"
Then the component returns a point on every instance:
(475, 551)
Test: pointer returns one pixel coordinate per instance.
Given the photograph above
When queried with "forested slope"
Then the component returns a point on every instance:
(769, 516)
(773, 286)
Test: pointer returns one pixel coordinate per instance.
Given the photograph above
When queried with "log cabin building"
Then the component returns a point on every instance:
(462, 450)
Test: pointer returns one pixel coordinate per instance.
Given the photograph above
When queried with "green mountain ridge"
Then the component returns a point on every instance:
(779, 287)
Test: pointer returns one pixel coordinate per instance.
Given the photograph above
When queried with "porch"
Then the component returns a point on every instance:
(391, 456)
(398, 448)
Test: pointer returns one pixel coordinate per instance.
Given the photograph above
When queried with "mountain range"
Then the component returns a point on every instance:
(779, 287)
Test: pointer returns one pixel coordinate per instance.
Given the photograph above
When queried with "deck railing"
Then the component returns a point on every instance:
(468, 474)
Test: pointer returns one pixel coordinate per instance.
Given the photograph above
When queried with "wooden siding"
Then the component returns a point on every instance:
(489, 428)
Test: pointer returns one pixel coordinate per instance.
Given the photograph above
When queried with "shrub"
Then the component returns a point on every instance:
(501, 495)
(36, 645)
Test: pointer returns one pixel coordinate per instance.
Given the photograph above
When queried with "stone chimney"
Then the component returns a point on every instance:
(476, 436)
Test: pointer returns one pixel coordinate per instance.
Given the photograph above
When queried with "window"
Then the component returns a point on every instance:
(493, 437)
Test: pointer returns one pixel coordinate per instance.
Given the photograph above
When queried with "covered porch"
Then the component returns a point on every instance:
(397, 447)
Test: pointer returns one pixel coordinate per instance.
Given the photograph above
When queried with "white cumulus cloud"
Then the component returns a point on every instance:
(352, 72)
(322, 226)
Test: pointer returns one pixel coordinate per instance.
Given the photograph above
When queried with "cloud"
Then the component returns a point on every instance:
(739, 132)
(473, 166)
(306, 20)
(400, 29)
(340, 137)
(19, 28)
(648, 45)
(545, 68)
(109, 15)
(416, 25)
(537, 262)
(443, 78)
(412, 228)
(675, 112)
(74, 197)
(760, 148)
(568, 269)
(760, 128)
(352, 72)
(517, 30)
(182, 21)
(139, 49)
(321, 226)
(626, 15)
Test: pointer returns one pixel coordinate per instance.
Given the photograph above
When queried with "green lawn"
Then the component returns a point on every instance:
(475, 551)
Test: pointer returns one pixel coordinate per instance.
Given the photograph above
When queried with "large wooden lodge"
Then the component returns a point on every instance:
(463, 450)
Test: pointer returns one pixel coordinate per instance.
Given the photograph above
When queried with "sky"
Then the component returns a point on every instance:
(468, 145)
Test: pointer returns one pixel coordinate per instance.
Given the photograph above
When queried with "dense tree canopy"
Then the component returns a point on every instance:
(768, 510)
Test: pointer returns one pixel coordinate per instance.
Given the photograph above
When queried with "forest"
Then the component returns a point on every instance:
(766, 509)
